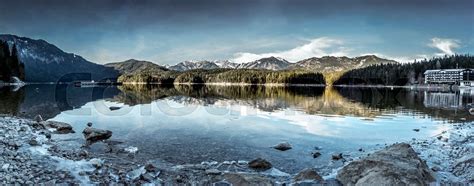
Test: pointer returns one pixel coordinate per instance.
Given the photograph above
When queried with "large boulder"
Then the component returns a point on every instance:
(308, 174)
(397, 164)
(60, 127)
(93, 134)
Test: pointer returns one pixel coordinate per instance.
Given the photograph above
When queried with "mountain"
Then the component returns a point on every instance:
(226, 64)
(191, 65)
(45, 62)
(270, 63)
(133, 71)
(132, 66)
(334, 64)
(315, 64)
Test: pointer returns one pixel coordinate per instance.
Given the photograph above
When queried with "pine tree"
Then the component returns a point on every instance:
(9, 63)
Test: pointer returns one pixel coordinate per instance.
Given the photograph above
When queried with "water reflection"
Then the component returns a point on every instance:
(10, 100)
(190, 124)
(50, 100)
(461, 100)
(446, 106)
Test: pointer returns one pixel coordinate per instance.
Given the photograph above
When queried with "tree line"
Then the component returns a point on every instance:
(246, 76)
(403, 74)
(9, 63)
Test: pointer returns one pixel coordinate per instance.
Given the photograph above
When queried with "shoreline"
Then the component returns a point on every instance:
(25, 139)
(411, 87)
(414, 87)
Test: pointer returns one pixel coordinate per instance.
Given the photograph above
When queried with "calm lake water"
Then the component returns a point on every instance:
(192, 124)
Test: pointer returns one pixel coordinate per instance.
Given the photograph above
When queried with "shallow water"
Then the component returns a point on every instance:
(192, 124)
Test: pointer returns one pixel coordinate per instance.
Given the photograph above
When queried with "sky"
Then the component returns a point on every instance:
(172, 31)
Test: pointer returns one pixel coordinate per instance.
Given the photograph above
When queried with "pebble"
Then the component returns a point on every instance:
(337, 156)
(97, 163)
(284, 146)
(5, 166)
(316, 154)
(260, 164)
(213, 172)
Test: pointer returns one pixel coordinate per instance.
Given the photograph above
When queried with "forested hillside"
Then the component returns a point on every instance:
(9, 63)
(402, 74)
(246, 76)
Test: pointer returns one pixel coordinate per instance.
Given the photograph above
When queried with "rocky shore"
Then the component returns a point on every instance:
(31, 154)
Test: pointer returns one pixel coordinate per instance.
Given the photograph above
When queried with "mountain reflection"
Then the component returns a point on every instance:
(50, 100)
(11, 98)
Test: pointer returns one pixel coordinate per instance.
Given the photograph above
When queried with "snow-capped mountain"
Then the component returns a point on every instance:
(45, 62)
(191, 65)
(226, 64)
(270, 63)
(317, 64)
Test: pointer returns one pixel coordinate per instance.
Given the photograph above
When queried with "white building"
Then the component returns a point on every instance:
(461, 77)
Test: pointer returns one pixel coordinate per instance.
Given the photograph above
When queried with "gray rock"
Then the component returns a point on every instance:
(38, 118)
(337, 156)
(260, 164)
(135, 174)
(33, 142)
(46, 133)
(93, 134)
(148, 177)
(89, 124)
(114, 108)
(316, 154)
(222, 183)
(60, 127)
(247, 179)
(150, 168)
(213, 172)
(283, 146)
(308, 174)
(464, 167)
(5, 166)
(397, 164)
(97, 163)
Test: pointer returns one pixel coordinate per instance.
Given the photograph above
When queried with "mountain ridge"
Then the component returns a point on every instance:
(45, 62)
(133, 65)
(319, 64)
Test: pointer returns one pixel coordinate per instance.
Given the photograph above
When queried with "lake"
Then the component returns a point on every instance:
(192, 124)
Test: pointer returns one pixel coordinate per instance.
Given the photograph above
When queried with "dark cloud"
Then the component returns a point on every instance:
(89, 24)
(129, 13)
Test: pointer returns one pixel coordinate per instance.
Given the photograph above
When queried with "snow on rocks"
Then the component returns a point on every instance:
(448, 152)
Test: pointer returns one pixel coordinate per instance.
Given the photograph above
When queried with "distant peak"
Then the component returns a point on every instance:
(271, 58)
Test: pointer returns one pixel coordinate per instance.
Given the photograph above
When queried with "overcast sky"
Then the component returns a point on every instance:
(171, 31)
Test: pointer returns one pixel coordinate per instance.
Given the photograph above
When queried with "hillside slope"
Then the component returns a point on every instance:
(45, 62)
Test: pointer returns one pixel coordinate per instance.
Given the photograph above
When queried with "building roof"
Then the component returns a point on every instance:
(446, 70)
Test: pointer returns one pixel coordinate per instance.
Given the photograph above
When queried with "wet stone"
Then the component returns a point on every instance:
(308, 174)
(260, 164)
(337, 156)
(316, 154)
(284, 146)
